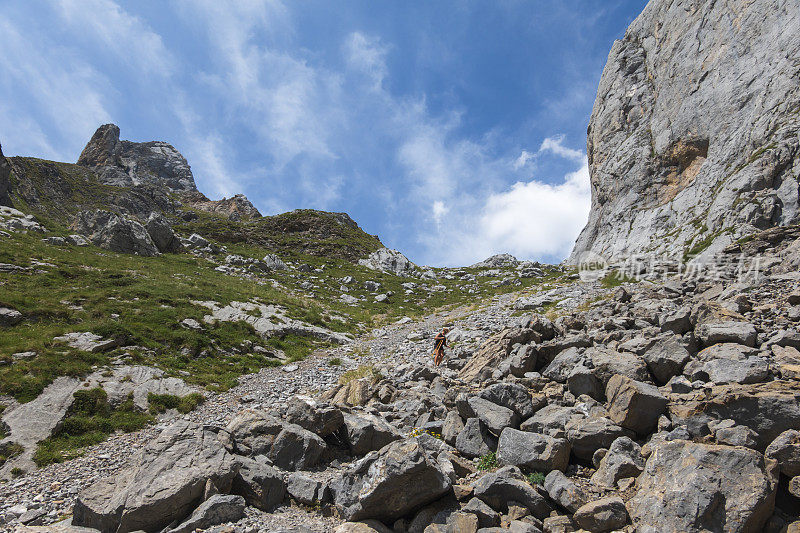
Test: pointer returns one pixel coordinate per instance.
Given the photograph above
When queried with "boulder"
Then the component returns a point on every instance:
(475, 440)
(506, 485)
(273, 262)
(564, 491)
(634, 405)
(623, 459)
(607, 363)
(599, 516)
(730, 331)
(495, 349)
(164, 482)
(306, 490)
(253, 433)
(388, 484)
(296, 448)
(495, 417)
(688, 486)
(162, 235)
(388, 260)
(487, 517)
(511, 396)
(728, 363)
(319, 418)
(532, 451)
(9, 317)
(785, 450)
(452, 426)
(367, 526)
(550, 420)
(261, 485)
(666, 357)
(587, 435)
(113, 232)
(218, 509)
(768, 409)
(561, 366)
(366, 432)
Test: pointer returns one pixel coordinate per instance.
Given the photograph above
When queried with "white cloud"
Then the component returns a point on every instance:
(535, 219)
(367, 54)
(556, 146)
(111, 29)
(439, 210)
(523, 159)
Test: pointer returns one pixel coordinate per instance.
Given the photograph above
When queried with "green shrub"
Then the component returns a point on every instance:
(159, 403)
(362, 371)
(488, 461)
(536, 478)
(17, 472)
(334, 361)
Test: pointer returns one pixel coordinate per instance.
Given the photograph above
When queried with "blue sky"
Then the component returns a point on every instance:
(453, 130)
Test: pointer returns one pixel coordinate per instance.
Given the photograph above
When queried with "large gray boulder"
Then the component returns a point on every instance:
(511, 396)
(728, 363)
(218, 509)
(506, 485)
(532, 451)
(388, 484)
(564, 491)
(320, 418)
(296, 448)
(162, 235)
(261, 485)
(113, 232)
(599, 516)
(692, 141)
(164, 482)
(367, 432)
(623, 459)
(391, 261)
(253, 433)
(692, 487)
(785, 450)
(731, 331)
(587, 435)
(474, 439)
(634, 405)
(666, 357)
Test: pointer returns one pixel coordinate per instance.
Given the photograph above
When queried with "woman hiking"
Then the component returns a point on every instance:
(439, 342)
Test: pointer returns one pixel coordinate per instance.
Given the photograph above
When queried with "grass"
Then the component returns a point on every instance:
(363, 371)
(487, 462)
(9, 451)
(160, 403)
(90, 420)
(334, 361)
(614, 279)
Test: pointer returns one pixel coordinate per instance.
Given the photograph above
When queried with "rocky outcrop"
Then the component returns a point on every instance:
(127, 164)
(5, 180)
(113, 232)
(237, 207)
(693, 141)
(388, 260)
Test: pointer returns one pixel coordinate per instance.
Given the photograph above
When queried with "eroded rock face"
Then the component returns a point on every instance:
(690, 124)
(5, 180)
(164, 482)
(688, 486)
(127, 164)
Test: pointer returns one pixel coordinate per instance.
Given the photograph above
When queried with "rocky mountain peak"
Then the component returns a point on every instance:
(127, 164)
(692, 142)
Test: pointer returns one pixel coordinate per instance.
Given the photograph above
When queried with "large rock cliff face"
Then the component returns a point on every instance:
(693, 140)
(127, 164)
(5, 180)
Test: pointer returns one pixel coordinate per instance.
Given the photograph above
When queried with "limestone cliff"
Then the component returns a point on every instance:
(693, 140)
